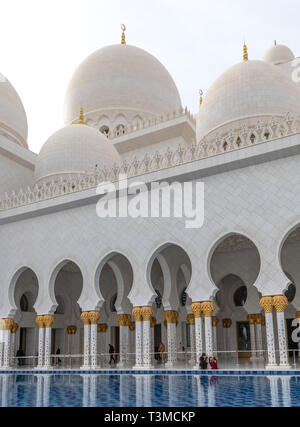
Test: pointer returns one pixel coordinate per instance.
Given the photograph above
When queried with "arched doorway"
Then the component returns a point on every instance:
(169, 273)
(25, 295)
(234, 267)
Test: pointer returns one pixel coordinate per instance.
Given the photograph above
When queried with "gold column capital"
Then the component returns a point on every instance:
(40, 322)
(132, 326)
(94, 317)
(48, 320)
(6, 324)
(14, 328)
(191, 319)
(124, 319)
(227, 323)
(196, 309)
(85, 317)
(280, 303)
(147, 313)
(208, 307)
(137, 314)
(71, 330)
(171, 316)
(251, 319)
(258, 319)
(215, 321)
(102, 328)
(267, 304)
(153, 322)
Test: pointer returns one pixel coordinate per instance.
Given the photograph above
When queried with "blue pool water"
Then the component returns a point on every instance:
(147, 390)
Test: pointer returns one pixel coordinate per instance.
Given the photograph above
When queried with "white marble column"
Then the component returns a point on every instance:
(171, 317)
(48, 321)
(208, 308)
(6, 326)
(41, 347)
(191, 322)
(259, 338)
(280, 303)
(87, 341)
(251, 320)
(124, 321)
(197, 311)
(94, 317)
(13, 345)
(152, 325)
(215, 322)
(267, 304)
(147, 314)
(137, 314)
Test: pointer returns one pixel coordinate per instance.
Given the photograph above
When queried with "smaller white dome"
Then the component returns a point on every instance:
(74, 150)
(13, 119)
(278, 54)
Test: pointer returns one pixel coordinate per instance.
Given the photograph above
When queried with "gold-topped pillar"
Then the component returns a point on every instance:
(267, 304)
(13, 331)
(196, 309)
(5, 330)
(85, 318)
(208, 309)
(171, 317)
(280, 303)
(48, 322)
(137, 315)
(41, 345)
(252, 319)
(94, 317)
(191, 321)
(147, 313)
(124, 322)
(215, 322)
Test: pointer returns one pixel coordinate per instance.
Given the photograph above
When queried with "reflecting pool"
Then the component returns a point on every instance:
(148, 391)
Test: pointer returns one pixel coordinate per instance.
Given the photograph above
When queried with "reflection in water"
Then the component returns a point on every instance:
(44, 390)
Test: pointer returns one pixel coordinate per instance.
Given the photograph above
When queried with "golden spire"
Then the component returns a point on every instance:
(123, 28)
(245, 53)
(81, 118)
(201, 97)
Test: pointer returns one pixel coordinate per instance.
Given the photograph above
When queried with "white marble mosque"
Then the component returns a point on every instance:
(74, 281)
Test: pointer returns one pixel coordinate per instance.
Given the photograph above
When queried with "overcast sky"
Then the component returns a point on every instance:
(43, 41)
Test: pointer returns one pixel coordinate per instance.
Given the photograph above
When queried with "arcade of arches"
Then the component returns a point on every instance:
(237, 319)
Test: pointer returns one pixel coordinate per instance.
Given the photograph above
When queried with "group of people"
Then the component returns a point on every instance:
(204, 361)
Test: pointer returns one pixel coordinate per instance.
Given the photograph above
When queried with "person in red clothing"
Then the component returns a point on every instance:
(213, 363)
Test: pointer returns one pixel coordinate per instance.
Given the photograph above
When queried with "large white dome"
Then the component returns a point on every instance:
(251, 90)
(278, 54)
(13, 120)
(121, 78)
(74, 150)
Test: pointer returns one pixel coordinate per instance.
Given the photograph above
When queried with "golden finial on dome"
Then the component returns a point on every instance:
(201, 97)
(123, 28)
(275, 42)
(81, 118)
(245, 53)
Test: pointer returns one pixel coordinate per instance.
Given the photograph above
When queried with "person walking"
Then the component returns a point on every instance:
(58, 360)
(112, 354)
(161, 350)
(203, 362)
(19, 355)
